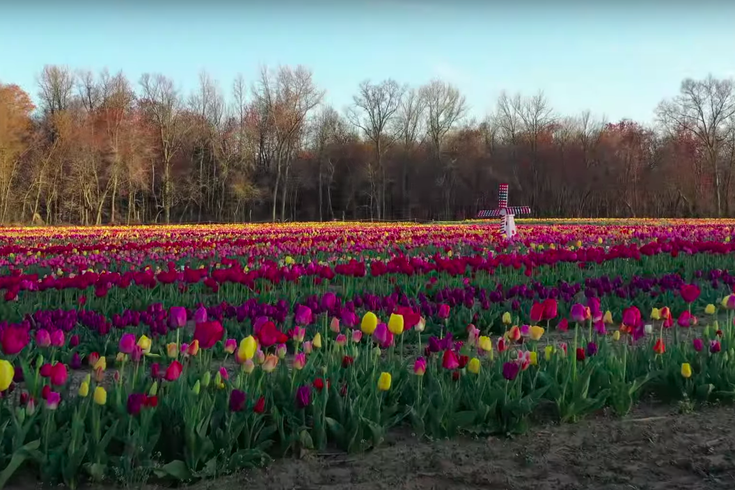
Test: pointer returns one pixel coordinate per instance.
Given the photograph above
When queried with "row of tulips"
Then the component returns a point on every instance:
(171, 412)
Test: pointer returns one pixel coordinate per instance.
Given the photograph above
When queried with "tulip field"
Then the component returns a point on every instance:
(170, 355)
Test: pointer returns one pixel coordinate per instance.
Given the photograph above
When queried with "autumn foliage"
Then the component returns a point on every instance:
(102, 149)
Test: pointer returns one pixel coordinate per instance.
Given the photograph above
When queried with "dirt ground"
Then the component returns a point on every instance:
(654, 448)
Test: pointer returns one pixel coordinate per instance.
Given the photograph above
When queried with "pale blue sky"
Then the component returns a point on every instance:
(618, 60)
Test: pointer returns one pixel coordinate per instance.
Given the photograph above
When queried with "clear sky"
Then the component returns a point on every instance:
(616, 58)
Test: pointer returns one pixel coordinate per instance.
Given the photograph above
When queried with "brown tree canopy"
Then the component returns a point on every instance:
(103, 149)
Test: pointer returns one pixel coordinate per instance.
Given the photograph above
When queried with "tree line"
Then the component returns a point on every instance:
(101, 149)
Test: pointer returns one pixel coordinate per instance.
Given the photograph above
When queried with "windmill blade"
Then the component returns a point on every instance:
(503, 196)
(519, 210)
(489, 213)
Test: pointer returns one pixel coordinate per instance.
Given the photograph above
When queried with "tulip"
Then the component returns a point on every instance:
(248, 366)
(384, 381)
(485, 344)
(580, 354)
(537, 312)
(506, 318)
(230, 346)
(43, 338)
(536, 332)
(474, 365)
(308, 347)
(511, 370)
(172, 350)
(304, 315)
(514, 334)
(369, 323)
(533, 357)
(659, 347)
(303, 396)
(59, 374)
(200, 315)
(76, 361)
(57, 338)
(177, 317)
(715, 346)
(341, 340)
(395, 324)
(689, 292)
(7, 372)
(729, 302)
(710, 309)
(127, 343)
(45, 370)
(13, 340)
(174, 370)
(135, 403)
(328, 300)
(193, 348)
(648, 329)
(334, 325)
(197, 388)
(237, 401)
(155, 370)
(380, 334)
(548, 351)
(607, 318)
(281, 351)
(83, 390)
(686, 370)
(259, 406)
(563, 325)
(698, 344)
(100, 396)
(655, 314)
(207, 334)
(443, 312)
(356, 336)
(317, 341)
(299, 361)
(550, 309)
(74, 341)
(298, 334)
(421, 325)
(247, 348)
(145, 344)
(270, 363)
(419, 367)
(52, 400)
(154, 389)
(616, 335)
(450, 360)
(591, 349)
(578, 313)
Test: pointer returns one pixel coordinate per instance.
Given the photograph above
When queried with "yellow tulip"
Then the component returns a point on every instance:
(384, 382)
(533, 357)
(474, 366)
(395, 324)
(247, 348)
(507, 320)
(369, 323)
(655, 314)
(100, 396)
(616, 335)
(317, 341)
(83, 390)
(172, 349)
(6, 374)
(710, 309)
(101, 364)
(145, 344)
(607, 318)
(536, 332)
(548, 351)
(485, 343)
(686, 370)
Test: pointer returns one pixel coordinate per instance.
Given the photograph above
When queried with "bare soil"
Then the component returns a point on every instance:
(653, 448)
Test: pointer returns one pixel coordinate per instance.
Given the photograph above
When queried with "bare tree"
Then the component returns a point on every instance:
(286, 98)
(445, 107)
(163, 106)
(373, 108)
(704, 109)
(409, 124)
(537, 117)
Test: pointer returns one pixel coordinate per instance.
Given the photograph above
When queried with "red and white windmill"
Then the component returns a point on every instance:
(506, 213)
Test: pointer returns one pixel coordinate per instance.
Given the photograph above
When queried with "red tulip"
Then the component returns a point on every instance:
(173, 372)
(13, 340)
(689, 292)
(59, 375)
(550, 309)
(450, 360)
(208, 334)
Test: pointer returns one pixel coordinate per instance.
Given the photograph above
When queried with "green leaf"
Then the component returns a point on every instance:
(17, 461)
(176, 469)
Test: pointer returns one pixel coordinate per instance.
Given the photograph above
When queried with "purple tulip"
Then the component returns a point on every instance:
(177, 317)
(303, 396)
(511, 370)
(200, 316)
(303, 315)
(237, 401)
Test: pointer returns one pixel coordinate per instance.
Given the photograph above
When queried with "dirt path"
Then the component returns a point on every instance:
(653, 449)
